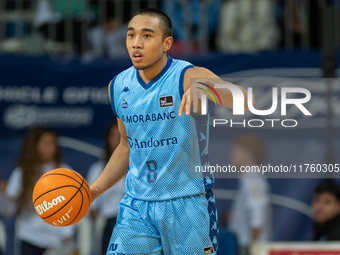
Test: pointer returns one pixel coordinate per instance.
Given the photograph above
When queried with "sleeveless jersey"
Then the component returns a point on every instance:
(163, 146)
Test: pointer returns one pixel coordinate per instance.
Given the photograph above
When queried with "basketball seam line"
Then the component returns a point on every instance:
(76, 173)
(88, 196)
(82, 201)
(53, 190)
(63, 175)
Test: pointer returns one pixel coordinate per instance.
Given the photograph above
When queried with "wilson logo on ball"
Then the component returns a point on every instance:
(45, 206)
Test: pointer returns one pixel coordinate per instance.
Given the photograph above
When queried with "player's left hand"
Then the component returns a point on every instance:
(185, 104)
(191, 96)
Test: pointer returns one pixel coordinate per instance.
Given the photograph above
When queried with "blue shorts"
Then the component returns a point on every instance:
(186, 225)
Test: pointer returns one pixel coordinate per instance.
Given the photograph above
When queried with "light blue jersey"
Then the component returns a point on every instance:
(166, 209)
(162, 144)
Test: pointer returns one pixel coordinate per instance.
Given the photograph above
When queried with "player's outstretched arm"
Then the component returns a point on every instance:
(194, 79)
(117, 166)
(115, 169)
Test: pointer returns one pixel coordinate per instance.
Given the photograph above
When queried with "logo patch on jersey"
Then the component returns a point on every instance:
(166, 101)
(208, 250)
(113, 246)
(125, 104)
(148, 117)
(151, 142)
(126, 89)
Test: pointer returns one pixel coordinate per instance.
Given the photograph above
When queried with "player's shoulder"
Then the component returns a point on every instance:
(180, 66)
(198, 72)
(127, 72)
(182, 62)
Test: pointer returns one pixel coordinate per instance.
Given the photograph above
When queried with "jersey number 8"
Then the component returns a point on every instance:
(152, 174)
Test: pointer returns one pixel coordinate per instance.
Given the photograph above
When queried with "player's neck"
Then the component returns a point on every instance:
(148, 74)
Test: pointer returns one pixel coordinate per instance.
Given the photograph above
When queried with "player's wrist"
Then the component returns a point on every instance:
(94, 193)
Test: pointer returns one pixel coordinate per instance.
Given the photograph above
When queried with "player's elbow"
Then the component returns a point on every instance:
(124, 146)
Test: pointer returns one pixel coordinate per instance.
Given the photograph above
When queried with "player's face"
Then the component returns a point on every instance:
(325, 206)
(47, 147)
(144, 41)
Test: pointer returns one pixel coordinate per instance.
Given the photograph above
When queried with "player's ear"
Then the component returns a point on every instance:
(109, 88)
(167, 43)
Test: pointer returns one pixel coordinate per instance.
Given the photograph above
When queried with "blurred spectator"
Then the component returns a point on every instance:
(247, 26)
(251, 211)
(39, 154)
(292, 22)
(299, 23)
(64, 21)
(326, 207)
(106, 205)
(108, 39)
(187, 21)
(297, 27)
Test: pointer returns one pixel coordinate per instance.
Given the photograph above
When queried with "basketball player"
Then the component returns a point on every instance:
(164, 210)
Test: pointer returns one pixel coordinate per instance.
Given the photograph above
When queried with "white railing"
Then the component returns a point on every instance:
(294, 23)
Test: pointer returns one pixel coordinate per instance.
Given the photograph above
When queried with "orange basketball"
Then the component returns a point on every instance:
(61, 197)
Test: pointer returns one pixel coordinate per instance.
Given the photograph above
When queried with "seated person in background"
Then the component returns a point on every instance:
(247, 26)
(187, 18)
(251, 212)
(326, 207)
(40, 153)
(108, 39)
(64, 21)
